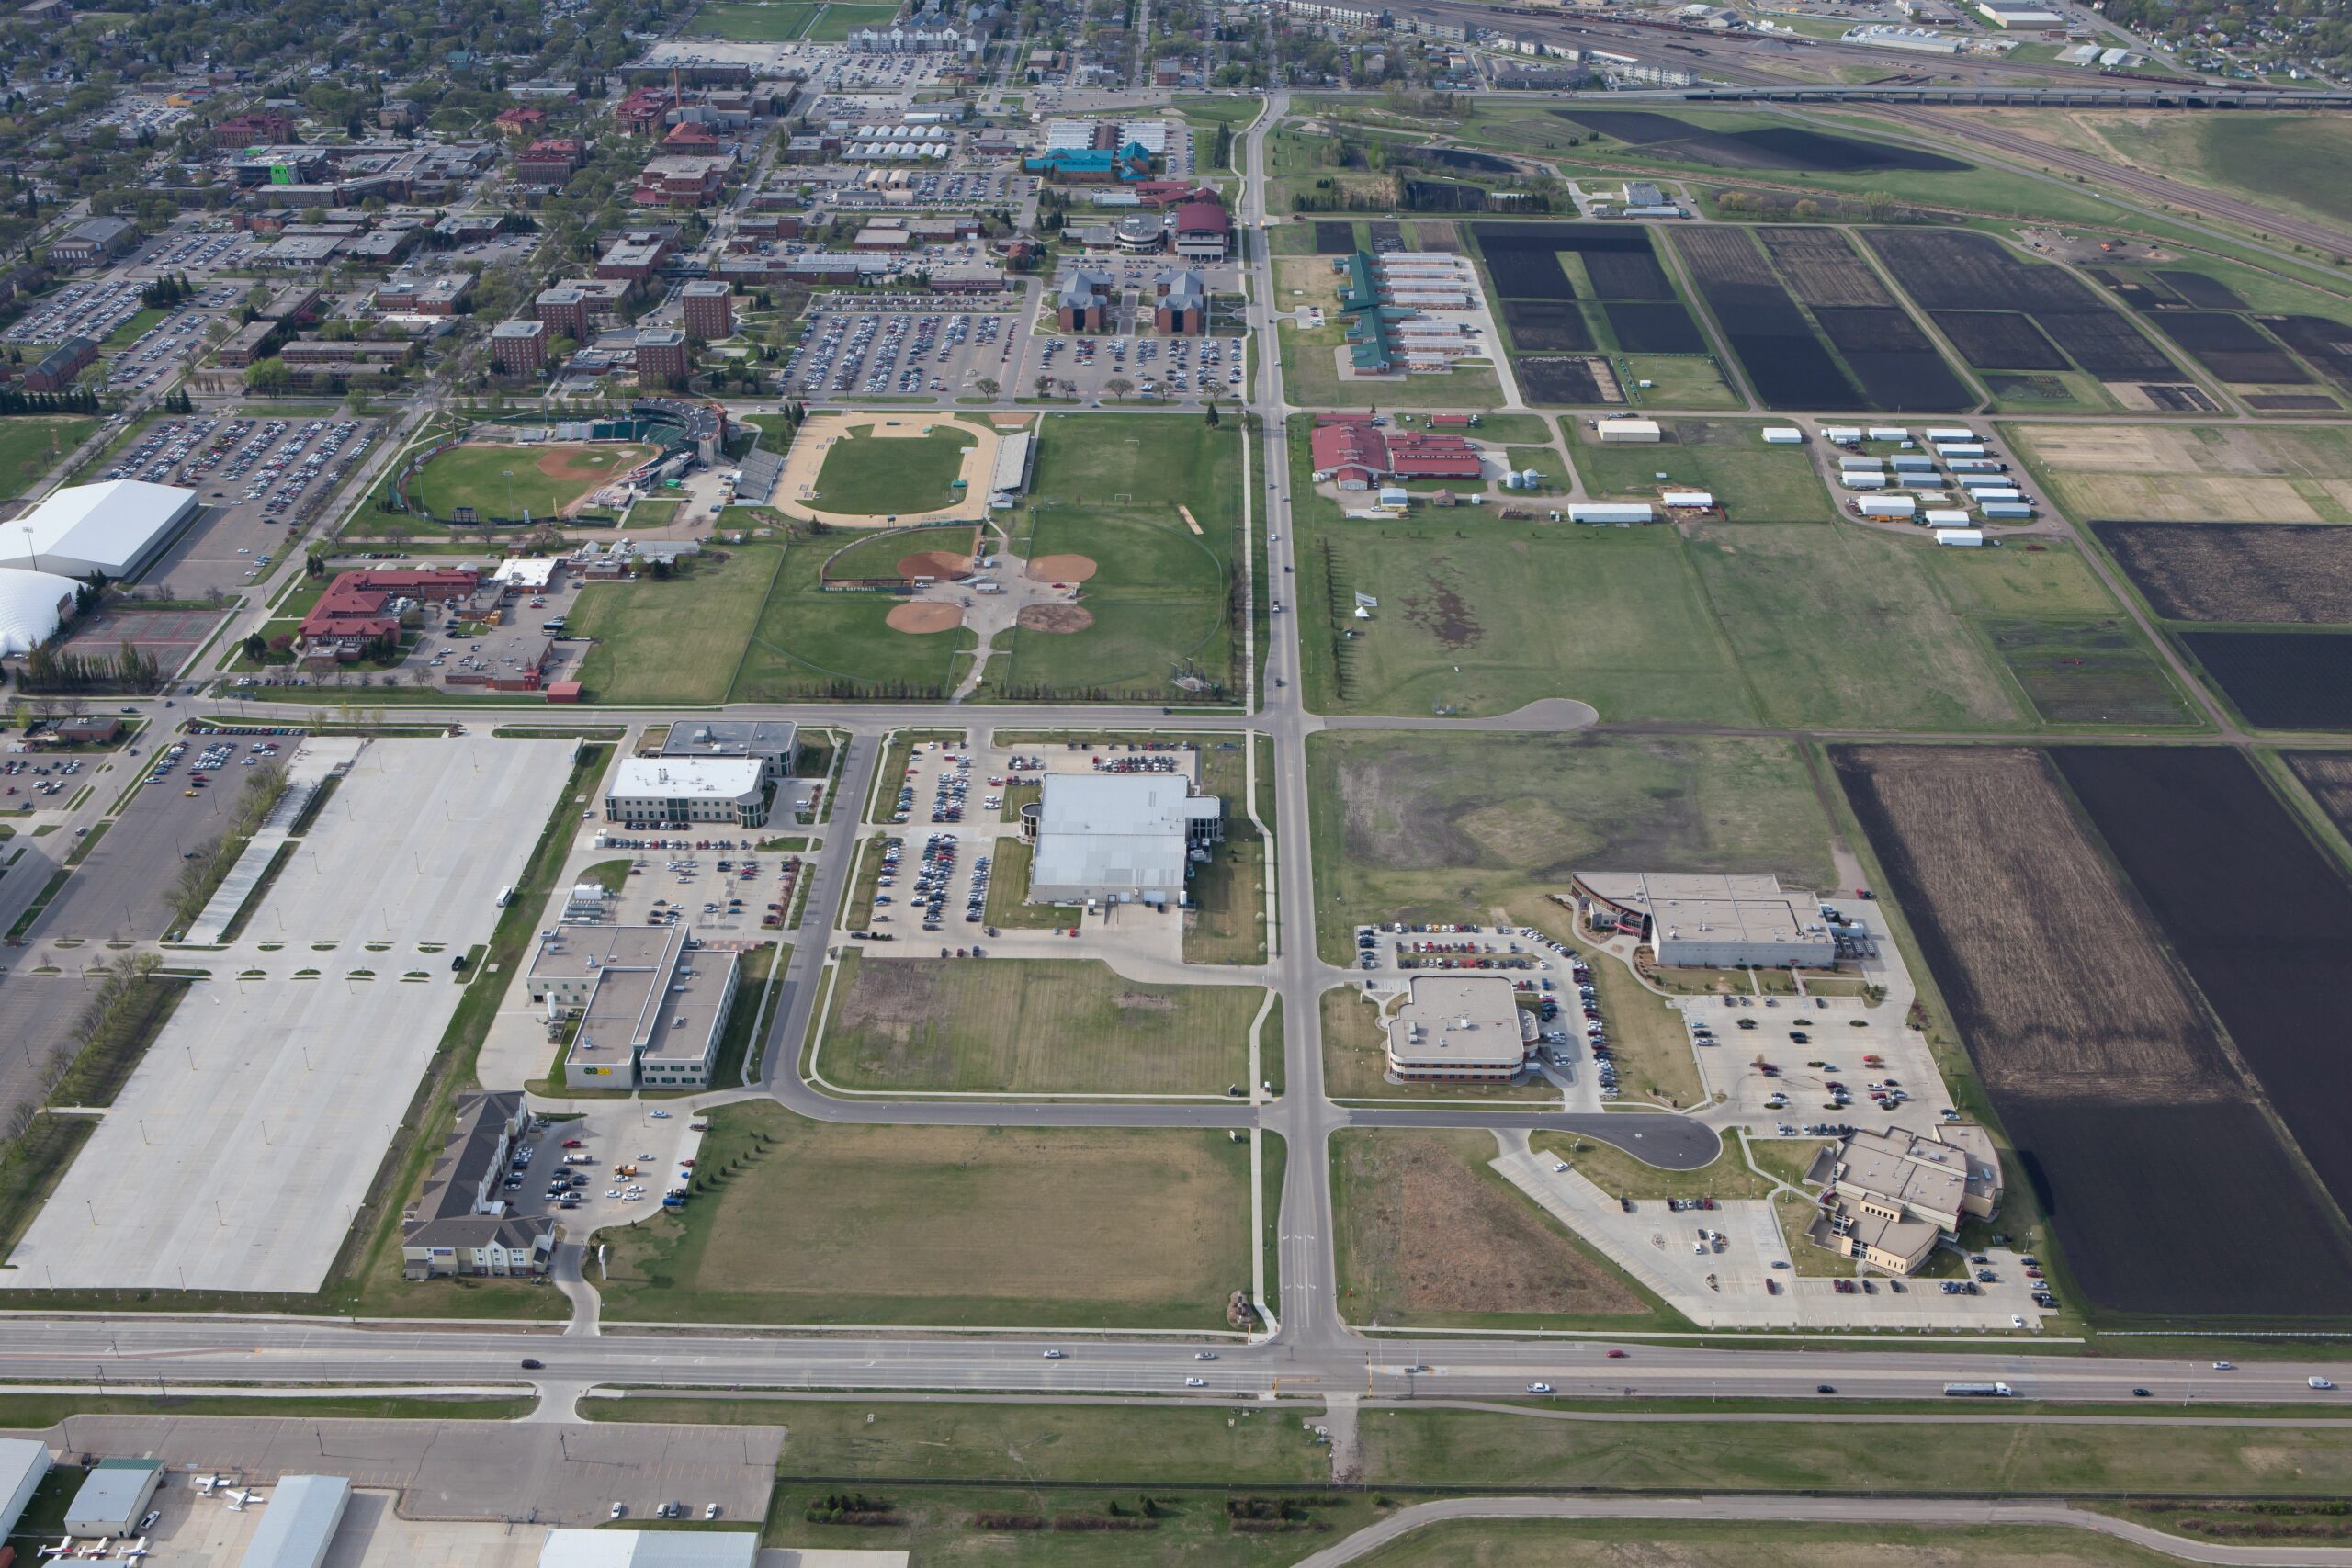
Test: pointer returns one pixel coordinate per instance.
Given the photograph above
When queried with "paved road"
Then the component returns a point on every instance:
(1863, 1511)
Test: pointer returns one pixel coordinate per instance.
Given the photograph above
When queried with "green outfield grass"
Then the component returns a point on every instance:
(678, 640)
(798, 1222)
(887, 475)
(30, 442)
(782, 22)
(1038, 1026)
(810, 643)
(506, 481)
(834, 23)
(1108, 486)
(1753, 482)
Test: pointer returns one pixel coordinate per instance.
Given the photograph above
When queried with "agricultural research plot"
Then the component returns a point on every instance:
(1626, 274)
(1334, 238)
(242, 1148)
(2192, 473)
(1821, 267)
(1899, 369)
(2245, 572)
(1767, 147)
(1960, 269)
(2327, 345)
(2328, 776)
(2231, 348)
(2280, 679)
(1661, 328)
(2096, 1053)
(2228, 873)
(1567, 382)
(1548, 326)
(2205, 293)
(1785, 361)
(1999, 340)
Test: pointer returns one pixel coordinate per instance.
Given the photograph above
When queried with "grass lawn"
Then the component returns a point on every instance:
(1427, 1237)
(29, 443)
(808, 643)
(1481, 616)
(844, 1439)
(1443, 828)
(1227, 921)
(1435, 1447)
(2191, 473)
(506, 481)
(781, 21)
(2278, 160)
(129, 332)
(1754, 483)
(1545, 461)
(1311, 376)
(1840, 626)
(1604, 1543)
(1620, 1175)
(808, 1223)
(1039, 1026)
(653, 513)
(674, 641)
(1008, 906)
(880, 474)
(1355, 1060)
(1107, 488)
(1676, 381)
(835, 23)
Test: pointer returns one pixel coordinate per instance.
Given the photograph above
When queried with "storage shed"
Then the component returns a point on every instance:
(1689, 500)
(2007, 510)
(1968, 539)
(1783, 436)
(1611, 512)
(1863, 479)
(1960, 449)
(1632, 430)
(1944, 518)
(1950, 433)
(1975, 465)
(1844, 435)
(1889, 506)
(2004, 493)
(1889, 432)
(1914, 463)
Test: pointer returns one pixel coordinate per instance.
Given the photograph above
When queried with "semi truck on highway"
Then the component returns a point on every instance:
(1980, 1391)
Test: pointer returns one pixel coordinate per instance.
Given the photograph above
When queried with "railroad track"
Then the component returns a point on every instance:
(2155, 188)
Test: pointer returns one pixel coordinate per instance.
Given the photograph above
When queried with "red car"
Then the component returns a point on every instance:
(575, 1143)
(1616, 1355)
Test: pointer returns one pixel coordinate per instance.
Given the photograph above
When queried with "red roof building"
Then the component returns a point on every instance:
(549, 161)
(359, 606)
(1357, 454)
(690, 136)
(1203, 230)
(521, 122)
(644, 109)
(262, 127)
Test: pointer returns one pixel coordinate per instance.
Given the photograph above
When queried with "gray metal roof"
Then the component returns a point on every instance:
(650, 1549)
(298, 1523)
(1115, 831)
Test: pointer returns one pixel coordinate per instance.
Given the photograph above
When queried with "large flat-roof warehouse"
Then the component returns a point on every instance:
(688, 789)
(1712, 919)
(117, 529)
(1117, 838)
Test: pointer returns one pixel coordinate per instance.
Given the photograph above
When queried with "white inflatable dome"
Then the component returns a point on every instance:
(33, 605)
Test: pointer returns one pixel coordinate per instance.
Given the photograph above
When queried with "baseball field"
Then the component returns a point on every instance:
(543, 479)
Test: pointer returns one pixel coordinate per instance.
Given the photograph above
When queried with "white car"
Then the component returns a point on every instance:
(1196, 1383)
(660, 1115)
(2015, 1321)
(1539, 1388)
(2318, 1382)
(1053, 1355)
(2225, 1366)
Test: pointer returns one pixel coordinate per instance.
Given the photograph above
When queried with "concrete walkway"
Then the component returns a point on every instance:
(1850, 1511)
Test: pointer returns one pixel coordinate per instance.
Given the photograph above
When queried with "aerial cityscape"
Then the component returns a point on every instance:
(873, 783)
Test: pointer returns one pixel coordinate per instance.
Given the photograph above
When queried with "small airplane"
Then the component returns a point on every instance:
(133, 1552)
(205, 1487)
(62, 1548)
(239, 1496)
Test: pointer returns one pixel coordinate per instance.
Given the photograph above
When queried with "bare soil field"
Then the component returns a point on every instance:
(923, 619)
(2283, 680)
(2053, 975)
(2328, 775)
(1061, 620)
(1062, 568)
(1427, 1232)
(2193, 473)
(2298, 573)
(1822, 268)
(2108, 1081)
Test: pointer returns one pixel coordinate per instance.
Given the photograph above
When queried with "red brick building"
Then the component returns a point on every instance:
(709, 310)
(664, 361)
(519, 348)
(359, 607)
(644, 109)
(520, 121)
(267, 127)
(635, 256)
(550, 161)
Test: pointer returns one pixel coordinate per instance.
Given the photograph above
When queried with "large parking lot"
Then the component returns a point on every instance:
(91, 309)
(198, 249)
(900, 351)
(178, 337)
(257, 479)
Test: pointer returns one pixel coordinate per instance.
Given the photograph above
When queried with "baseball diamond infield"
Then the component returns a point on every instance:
(799, 493)
(923, 617)
(1062, 568)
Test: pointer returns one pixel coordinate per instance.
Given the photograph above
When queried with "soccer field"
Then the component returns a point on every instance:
(507, 481)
